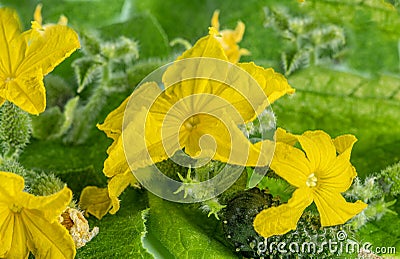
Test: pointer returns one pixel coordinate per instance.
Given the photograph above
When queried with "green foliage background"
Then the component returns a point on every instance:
(357, 93)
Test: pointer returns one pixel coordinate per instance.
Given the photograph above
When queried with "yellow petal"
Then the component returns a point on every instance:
(215, 20)
(10, 185)
(20, 241)
(117, 185)
(49, 49)
(10, 29)
(334, 209)
(291, 164)
(273, 84)
(207, 46)
(344, 144)
(112, 125)
(37, 15)
(280, 220)
(339, 178)
(227, 142)
(45, 239)
(341, 174)
(27, 92)
(116, 161)
(319, 149)
(283, 136)
(95, 200)
(6, 229)
(51, 206)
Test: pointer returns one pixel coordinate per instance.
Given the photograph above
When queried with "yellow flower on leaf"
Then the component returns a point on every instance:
(320, 175)
(26, 57)
(178, 117)
(30, 224)
(229, 39)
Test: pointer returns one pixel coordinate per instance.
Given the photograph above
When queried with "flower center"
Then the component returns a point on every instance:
(311, 180)
(8, 79)
(191, 122)
(15, 208)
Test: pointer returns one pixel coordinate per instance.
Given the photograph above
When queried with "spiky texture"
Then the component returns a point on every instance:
(15, 130)
(308, 42)
(238, 219)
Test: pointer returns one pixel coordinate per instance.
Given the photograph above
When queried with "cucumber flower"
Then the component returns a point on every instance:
(30, 223)
(26, 57)
(199, 116)
(321, 173)
(229, 39)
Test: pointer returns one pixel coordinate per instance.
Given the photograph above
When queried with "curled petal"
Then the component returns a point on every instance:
(95, 200)
(334, 209)
(117, 185)
(280, 220)
(283, 136)
(344, 144)
(51, 206)
(112, 125)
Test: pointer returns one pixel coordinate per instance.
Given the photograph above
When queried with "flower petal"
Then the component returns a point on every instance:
(10, 185)
(215, 20)
(6, 227)
(344, 144)
(319, 149)
(227, 143)
(10, 29)
(112, 125)
(334, 209)
(20, 243)
(48, 48)
(27, 92)
(341, 174)
(143, 96)
(274, 84)
(207, 46)
(95, 201)
(46, 240)
(51, 206)
(280, 220)
(116, 161)
(117, 185)
(282, 135)
(291, 164)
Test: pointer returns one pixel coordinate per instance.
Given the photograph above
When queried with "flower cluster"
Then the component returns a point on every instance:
(193, 119)
(30, 223)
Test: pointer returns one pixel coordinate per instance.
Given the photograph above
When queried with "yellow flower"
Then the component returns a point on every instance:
(320, 174)
(230, 38)
(30, 224)
(189, 124)
(26, 57)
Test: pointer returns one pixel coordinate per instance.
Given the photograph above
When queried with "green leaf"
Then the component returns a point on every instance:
(121, 235)
(179, 235)
(48, 123)
(88, 70)
(342, 102)
(382, 233)
(371, 31)
(153, 43)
